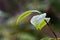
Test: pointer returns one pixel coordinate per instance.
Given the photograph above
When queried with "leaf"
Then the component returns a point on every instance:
(39, 21)
(27, 13)
(43, 23)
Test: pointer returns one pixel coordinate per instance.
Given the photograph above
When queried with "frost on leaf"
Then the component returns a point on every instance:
(38, 21)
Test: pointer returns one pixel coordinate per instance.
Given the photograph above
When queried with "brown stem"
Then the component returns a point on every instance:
(51, 30)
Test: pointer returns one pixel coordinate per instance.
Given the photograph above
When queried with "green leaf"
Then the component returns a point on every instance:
(39, 21)
(27, 13)
(43, 23)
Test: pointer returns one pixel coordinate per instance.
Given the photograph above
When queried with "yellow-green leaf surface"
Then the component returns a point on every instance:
(23, 15)
(41, 25)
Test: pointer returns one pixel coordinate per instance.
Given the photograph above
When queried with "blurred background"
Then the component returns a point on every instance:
(11, 9)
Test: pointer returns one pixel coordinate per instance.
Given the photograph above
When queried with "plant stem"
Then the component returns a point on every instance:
(51, 30)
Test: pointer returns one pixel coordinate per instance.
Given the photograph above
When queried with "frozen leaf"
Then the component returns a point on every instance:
(38, 21)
